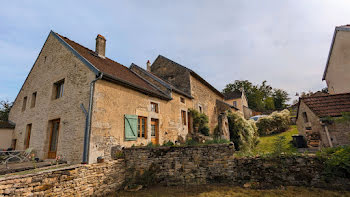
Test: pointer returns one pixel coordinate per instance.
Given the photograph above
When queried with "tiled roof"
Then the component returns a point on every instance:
(112, 68)
(330, 105)
(6, 125)
(233, 95)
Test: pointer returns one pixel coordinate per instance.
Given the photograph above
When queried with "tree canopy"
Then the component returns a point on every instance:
(260, 97)
(5, 107)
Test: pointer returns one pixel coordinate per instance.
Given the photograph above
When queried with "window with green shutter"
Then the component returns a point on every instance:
(130, 127)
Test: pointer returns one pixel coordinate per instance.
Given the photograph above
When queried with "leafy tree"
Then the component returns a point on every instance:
(260, 97)
(5, 107)
(280, 98)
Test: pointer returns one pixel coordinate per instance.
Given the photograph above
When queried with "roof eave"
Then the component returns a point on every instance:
(111, 78)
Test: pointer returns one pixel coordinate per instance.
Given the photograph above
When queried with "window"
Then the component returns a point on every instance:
(200, 109)
(24, 103)
(58, 89)
(305, 117)
(308, 128)
(27, 137)
(154, 107)
(182, 99)
(183, 117)
(235, 103)
(33, 100)
(142, 127)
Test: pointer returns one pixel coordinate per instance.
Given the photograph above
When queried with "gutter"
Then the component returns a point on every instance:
(87, 133)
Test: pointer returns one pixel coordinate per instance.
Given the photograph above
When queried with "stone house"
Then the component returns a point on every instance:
(337, 71)
(6, 132)
(77, 103)
(318, 120)
(239, 100)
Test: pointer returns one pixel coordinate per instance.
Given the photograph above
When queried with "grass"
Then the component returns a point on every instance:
(219, 190)
(266, 142)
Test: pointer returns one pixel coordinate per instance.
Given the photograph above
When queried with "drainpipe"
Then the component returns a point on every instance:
(328, 137)
(87, 132)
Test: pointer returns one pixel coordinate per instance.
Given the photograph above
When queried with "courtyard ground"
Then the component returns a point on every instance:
(218, 190)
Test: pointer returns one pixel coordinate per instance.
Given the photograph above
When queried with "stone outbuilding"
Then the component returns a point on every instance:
(238, 99)
(6, 132)
(77, 103)
(320, 119)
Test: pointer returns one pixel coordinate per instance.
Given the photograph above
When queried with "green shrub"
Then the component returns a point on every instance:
(276, 122)
(337, 161)
(200, 120)
(243, 133)
(204, 130)
(191, 142)
(169, 143)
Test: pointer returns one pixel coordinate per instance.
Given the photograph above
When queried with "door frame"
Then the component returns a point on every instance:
(51, 154)
(156, 121)
(27, 137)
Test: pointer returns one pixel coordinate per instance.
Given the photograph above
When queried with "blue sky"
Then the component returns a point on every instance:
(283, 42)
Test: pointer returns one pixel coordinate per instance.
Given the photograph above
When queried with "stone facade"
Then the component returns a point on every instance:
(76, 180)
(54, 63)
(339, 133)
(205, 101)
(315, 131)
(112, 102)
(337, 73)
(5, 138)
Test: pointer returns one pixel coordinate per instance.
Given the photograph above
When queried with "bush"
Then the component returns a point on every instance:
(169, 143)
(243, 133)
(276, 122)
(337, 161)
(200, 120)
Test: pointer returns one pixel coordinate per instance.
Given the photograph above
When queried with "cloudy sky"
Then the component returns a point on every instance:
(283, 42)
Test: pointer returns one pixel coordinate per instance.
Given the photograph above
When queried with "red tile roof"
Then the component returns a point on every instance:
(329, 105)
(112, 68)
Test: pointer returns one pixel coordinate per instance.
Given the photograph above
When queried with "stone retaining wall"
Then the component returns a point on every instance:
(172, 166)
(216, 164)
(85, 180)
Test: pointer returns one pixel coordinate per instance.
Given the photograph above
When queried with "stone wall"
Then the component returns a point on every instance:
(54, 63)
(339, 133)
(216, 164)
(166, 166)
(85, 180)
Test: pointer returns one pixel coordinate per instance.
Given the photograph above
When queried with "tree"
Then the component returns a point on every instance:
(5, 107)
(260, 97)
(280, 98)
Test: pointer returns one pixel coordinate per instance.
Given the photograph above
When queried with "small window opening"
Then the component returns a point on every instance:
(59, 88)
(24, 103)
(154, 107)
(33, 100)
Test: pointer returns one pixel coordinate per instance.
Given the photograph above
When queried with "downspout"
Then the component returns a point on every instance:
(328, 136)
(87, 132)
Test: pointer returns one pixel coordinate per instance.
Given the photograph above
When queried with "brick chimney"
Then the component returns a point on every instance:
(148, 66)
(100, 46)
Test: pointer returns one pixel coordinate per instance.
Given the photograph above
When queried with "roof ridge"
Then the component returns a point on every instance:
(328, 95)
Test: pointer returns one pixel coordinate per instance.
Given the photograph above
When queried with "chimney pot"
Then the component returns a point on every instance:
(100, 45)
(148, 66)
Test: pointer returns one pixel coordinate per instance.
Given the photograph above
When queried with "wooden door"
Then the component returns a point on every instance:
(27, 139)
(54, 131)
(154, 131)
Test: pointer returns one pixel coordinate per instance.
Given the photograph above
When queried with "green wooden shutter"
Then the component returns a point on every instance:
(130, 127)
